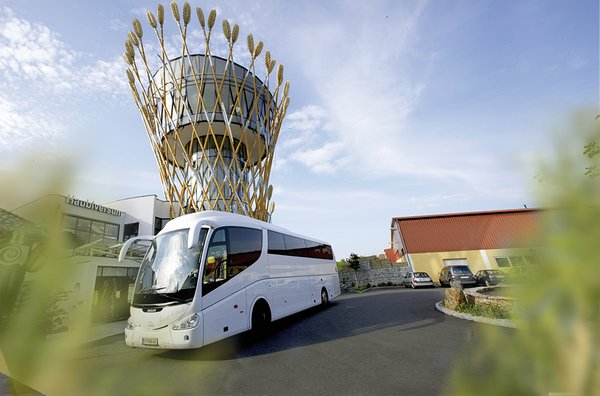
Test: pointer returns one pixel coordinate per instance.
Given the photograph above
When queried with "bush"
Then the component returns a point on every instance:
(485, 310)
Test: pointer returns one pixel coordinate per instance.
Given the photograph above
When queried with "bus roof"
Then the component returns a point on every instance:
(216, 219)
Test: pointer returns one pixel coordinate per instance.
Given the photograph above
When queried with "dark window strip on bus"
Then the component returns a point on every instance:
(287, 245)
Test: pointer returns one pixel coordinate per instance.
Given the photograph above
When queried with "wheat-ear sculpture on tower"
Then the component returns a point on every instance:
(212, 123)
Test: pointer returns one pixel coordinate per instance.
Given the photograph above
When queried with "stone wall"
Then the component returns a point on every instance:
(365, 276)
(477, 296)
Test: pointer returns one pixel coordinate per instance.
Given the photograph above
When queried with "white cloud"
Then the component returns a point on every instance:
(308, 118)
(117, 25)
(106, 77)
(325, 159)
(365, 93)
(21, 124)
(32, 52)
(305, 141)
(360, 119)
(43, 76)
(302, 127)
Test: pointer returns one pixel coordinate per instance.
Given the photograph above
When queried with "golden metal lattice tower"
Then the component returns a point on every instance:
(211, 122)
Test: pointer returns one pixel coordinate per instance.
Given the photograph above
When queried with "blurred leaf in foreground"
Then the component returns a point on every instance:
(557, 348)
(32, 274)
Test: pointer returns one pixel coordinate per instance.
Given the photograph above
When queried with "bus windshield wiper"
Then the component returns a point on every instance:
(151, 289)
(166, 295)
(155, 291)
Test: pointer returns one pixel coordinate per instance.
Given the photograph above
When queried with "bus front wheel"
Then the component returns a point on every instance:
(261, 318)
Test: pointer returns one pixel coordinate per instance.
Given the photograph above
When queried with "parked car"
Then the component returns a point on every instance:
(417, 279)
(489, 277)
(459, 273)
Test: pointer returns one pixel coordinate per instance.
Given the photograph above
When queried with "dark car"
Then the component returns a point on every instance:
(417, 279)
(489, 277)
(458, 273)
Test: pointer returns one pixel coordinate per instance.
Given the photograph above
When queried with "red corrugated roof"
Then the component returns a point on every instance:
(468, 231)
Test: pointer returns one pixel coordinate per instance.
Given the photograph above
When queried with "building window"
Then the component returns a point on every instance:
(502, 262)
(112, 231)
(87, 231)
(130, 231)
(159, 224)
(516, 261)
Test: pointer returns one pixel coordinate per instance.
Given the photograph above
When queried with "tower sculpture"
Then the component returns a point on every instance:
(211, 122)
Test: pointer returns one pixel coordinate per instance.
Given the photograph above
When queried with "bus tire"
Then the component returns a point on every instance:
(324, 297)
(261, 318)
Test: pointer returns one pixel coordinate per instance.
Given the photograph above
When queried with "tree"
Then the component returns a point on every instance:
(353, 261)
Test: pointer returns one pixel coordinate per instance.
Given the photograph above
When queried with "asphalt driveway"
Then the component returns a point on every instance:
(384, 341)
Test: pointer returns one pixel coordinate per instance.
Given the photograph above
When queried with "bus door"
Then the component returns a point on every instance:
(229, 267)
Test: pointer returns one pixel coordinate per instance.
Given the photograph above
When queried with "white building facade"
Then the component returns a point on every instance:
(99, 287)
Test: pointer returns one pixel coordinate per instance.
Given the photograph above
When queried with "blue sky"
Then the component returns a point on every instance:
(398, 107)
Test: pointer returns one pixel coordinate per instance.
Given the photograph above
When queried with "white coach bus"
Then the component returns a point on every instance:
(210, 275)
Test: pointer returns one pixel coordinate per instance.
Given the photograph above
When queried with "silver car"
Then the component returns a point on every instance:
(417, 279)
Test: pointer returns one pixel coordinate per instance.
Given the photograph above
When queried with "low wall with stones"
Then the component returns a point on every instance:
(478, 296)
(365, 276)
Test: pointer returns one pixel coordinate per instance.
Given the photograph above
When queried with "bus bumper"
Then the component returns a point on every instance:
(164, 338)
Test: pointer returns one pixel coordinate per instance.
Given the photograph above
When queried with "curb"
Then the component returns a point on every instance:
(372, 288)
(496, 322)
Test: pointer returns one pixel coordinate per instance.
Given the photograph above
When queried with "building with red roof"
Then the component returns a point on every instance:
(481, 240)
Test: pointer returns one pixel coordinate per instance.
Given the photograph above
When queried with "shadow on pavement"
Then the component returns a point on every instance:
(348, 316)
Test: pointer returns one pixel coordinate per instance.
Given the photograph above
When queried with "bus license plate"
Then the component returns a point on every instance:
(150, 341)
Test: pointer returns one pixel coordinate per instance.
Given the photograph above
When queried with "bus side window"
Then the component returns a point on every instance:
(231, 251)
(245, 246)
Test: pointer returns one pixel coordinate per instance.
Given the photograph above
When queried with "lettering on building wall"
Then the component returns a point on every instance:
(92, 206)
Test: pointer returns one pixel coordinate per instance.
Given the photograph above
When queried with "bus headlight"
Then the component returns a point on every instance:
(188, 323)
(130, 324)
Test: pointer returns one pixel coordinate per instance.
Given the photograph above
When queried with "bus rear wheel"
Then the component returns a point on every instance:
(261, 318)
(324, 297)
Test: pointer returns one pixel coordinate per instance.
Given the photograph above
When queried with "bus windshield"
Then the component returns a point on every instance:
(169, 272)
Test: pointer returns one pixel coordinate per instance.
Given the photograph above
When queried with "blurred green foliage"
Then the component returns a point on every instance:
(592, 151)
(33, 278)
(557, 347)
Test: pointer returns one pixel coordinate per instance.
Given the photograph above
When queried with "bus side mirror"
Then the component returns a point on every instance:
(194, 234)
(130, 242)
